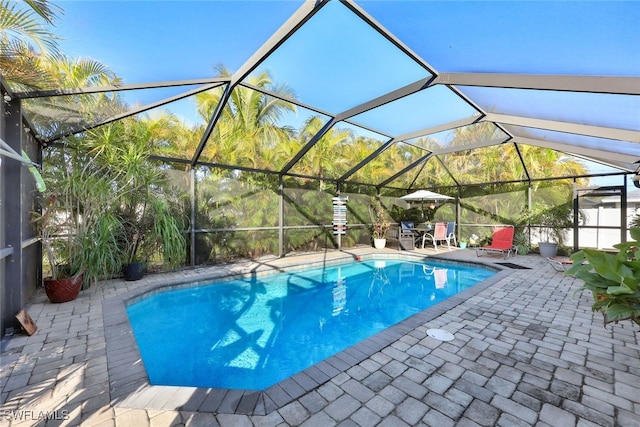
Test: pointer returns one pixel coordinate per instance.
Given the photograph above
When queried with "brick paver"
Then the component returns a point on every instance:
(527, 351)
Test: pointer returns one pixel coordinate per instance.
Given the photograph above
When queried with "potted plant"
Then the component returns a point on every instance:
(613, 279)
(381, 225)
(104, 207)
(61, 251)
(551, 221)
(150, 228)
(135, 221)
(77, 227)
(462, 243)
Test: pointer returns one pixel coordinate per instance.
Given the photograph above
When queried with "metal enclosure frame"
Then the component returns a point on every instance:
(20, 253)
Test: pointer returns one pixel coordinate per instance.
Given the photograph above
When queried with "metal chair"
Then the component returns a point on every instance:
(439, 234)
(451, 233)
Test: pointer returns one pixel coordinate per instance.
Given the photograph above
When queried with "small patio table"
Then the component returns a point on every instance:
(419, 233)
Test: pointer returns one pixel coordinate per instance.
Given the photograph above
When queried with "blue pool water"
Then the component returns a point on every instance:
(253, 332)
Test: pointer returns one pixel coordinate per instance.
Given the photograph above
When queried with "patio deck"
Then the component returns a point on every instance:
(527, 351)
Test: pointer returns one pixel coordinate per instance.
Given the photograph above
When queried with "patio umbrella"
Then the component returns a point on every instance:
(422, 195)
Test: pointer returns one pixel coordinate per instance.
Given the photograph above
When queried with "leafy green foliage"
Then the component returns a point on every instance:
(235, 203)
(101, 257)
(613, 279)
(521, 242)
(381, 224)
(552, 220)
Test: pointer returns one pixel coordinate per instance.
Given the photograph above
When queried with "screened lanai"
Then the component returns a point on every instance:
(504, 106)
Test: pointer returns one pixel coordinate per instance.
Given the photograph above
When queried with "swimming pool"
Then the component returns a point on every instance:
(250, 333)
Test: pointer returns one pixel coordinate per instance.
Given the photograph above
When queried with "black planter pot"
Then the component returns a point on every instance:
(133, 271)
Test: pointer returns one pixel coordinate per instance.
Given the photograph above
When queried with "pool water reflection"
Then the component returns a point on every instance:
(253, 332)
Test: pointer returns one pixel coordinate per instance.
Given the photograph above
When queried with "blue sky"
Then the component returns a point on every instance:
(145, 41)
(562, 37)
(336, 62)
(162, 40)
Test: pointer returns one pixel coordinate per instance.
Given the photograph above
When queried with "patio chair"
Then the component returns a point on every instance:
(439, 235)
(451, 233)
(501, 242)
(407, 236)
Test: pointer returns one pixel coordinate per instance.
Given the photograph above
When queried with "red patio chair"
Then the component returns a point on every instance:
(501, 242)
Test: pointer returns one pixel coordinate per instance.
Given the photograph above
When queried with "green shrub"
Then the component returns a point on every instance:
(613, 279)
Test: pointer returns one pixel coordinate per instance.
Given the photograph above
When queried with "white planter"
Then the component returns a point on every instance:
(379, 243)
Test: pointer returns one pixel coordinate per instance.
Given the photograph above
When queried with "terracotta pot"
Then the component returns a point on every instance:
(63, 290)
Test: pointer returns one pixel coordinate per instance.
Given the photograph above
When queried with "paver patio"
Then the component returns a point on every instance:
(527, 351)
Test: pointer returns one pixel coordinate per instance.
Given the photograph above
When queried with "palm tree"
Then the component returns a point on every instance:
(330, 156)
(25, 40)
(63, 114)
(248, 130)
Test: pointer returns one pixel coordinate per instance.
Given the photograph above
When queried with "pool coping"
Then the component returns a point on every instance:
(129, 384)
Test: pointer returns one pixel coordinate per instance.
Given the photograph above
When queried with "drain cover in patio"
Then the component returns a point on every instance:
(511, 265)
(440, 334)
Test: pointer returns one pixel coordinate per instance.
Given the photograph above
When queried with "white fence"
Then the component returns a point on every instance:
(597, 238)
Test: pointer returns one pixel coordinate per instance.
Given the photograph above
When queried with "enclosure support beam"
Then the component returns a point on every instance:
(597, 155)
(458, 214)
(132, 112)
(623, 210)
(439, 128)
(12, 293)
(192, 197)
(575, 128)
(589, 84)
(405, 170)
(308, 146)
(212, 123)
(281, 217)
(529, 206)
(282, 34)
(576, 216)
(370, 157)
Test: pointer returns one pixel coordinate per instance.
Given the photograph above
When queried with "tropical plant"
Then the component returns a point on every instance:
(58, 243)
(613, 279)
(247, 132)
(77, 226)
(58, 116)
(25, 40)
(110, 202)
(381, 224)
(521, 241)
(551, 221)
(148, 224)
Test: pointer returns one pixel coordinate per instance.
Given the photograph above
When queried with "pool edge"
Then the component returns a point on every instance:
(128, 381)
